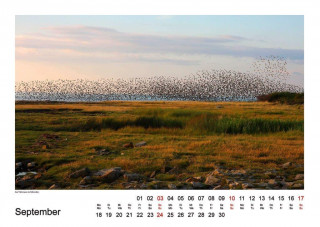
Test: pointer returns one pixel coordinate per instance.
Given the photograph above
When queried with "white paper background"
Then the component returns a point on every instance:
(79, 207)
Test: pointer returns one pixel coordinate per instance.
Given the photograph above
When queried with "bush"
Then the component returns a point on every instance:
(283, 98)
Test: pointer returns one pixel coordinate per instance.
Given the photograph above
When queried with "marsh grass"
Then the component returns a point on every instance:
(218, 124)
(189, 121)
(94, 124)
(193, 137)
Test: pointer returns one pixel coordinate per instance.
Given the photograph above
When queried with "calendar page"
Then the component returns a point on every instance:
(174, 113)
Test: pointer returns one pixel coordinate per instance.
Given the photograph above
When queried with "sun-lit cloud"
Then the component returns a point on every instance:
(80, 51)
(103, 40)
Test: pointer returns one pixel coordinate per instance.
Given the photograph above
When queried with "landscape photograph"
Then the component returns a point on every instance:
(159, 102)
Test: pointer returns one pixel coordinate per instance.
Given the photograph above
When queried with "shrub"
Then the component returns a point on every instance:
(283, 98)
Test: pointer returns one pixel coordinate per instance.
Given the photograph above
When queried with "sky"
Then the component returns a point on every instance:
(94, 47)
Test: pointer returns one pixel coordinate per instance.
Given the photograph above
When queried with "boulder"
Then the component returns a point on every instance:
(297, 186)
(240, 172)
(132, 177)
(216, 172)
(287, 165)
(153, 174)
(110, 175)
(140, 144)
(272, 183)
(172, 186)
(19, 164)
(194, 179)
(299, 177)
(128, 145)
(103, 171)
(217, 187)
(143, 186)
(80, 173)
(198, 185)
(211, 180)
(247, 185)
(105, 151)
(86, 180)
(262, 185)
(54, 186)
(233, 185)
(31, 165)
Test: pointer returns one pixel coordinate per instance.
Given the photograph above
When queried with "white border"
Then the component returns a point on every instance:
(77, 204)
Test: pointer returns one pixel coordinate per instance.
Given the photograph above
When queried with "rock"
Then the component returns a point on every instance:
(268, 173)
(211, 180)
(217, 172)
(262, 185)
(287, 165)
(31, 165)
(105, 151)
(111, 175)
(286, 184)
(37, 176)
(80, 173)
(299, 177)
(297, 186)
(87, 185)
(25, 182)
(54, 186)
(199, 179)
(86, 180)
(140, 144)
(153, 174)
(194, 179)
(103, 171)
(172, 186)
(272, 183)
(128, 145)
(247, 185)
(240, 172)
(271, 174)
(19, 164)
(132, 177)
(233, 185)
(198, 185)
(25, 173)
(217, 187)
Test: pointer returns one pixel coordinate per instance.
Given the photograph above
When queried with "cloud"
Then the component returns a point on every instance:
(104, 43)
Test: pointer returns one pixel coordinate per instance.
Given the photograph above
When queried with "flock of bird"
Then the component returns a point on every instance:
(216, 85)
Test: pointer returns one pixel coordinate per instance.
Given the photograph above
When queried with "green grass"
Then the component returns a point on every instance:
(205, 123)
(212, 124)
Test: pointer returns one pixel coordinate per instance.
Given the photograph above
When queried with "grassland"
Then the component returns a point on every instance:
(252, 144)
